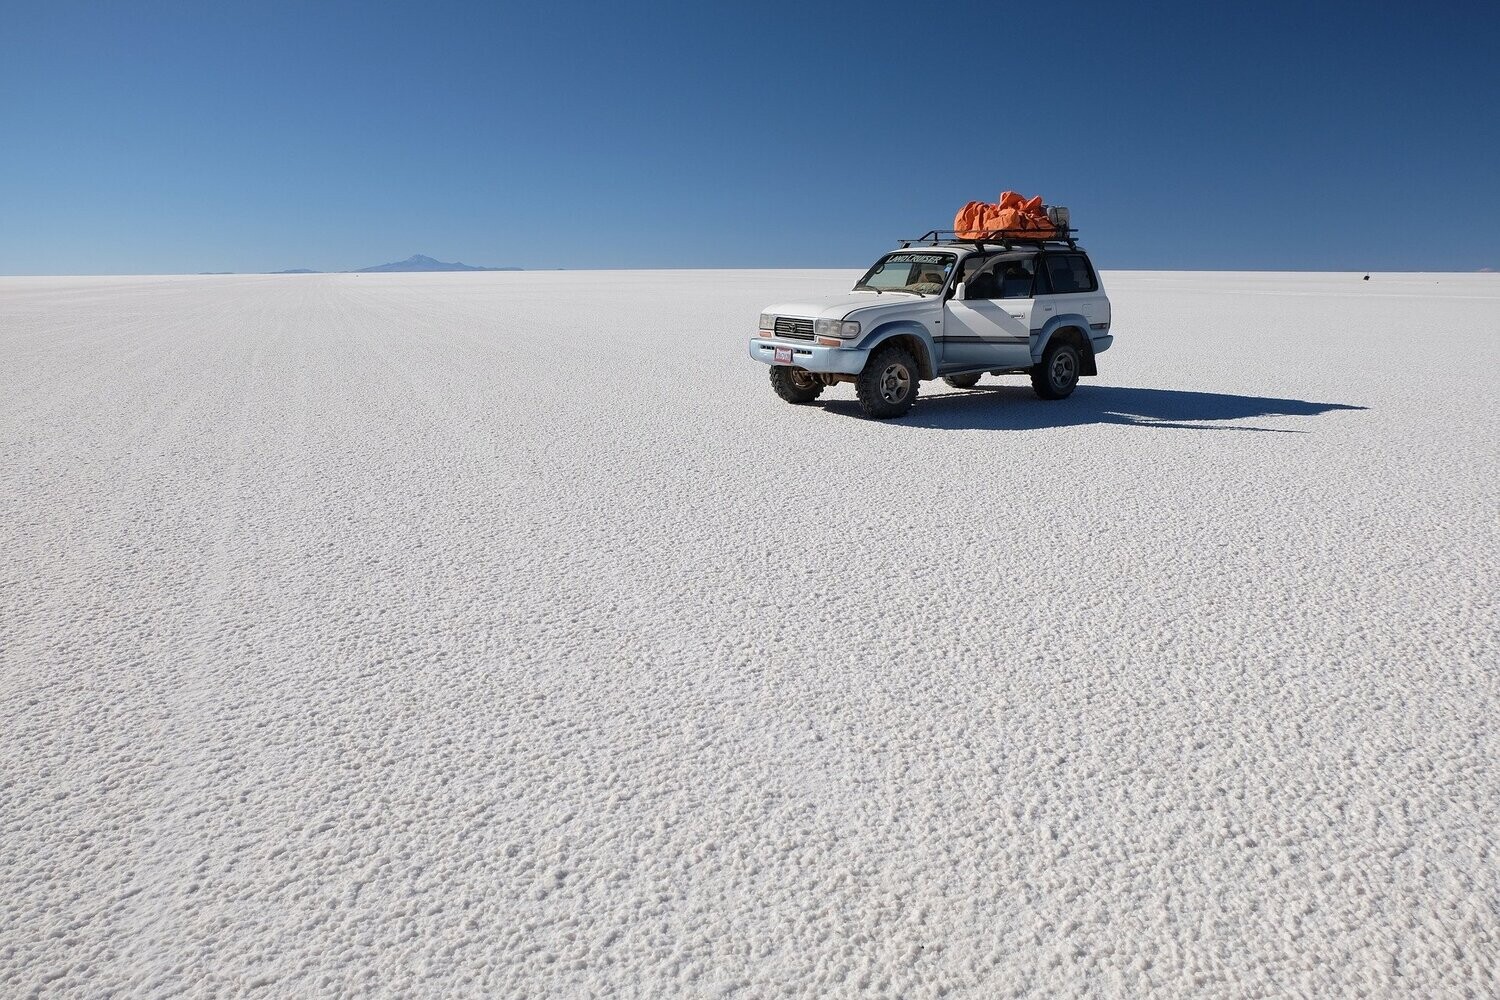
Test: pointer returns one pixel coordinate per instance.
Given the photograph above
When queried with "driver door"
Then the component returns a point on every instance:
(991, 326)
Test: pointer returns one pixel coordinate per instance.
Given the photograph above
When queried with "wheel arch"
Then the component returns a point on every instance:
(1071, 328)
(910, 335)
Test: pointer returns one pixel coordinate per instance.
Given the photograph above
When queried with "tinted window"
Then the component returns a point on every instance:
(971, 265)
(1003, 278)
(1070, 272)
(1017, 278)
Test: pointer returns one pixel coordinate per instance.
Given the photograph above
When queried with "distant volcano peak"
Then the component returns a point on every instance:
(422, 262)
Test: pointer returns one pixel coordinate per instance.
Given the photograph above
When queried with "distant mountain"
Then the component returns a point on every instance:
(296, 270)
(421, 262)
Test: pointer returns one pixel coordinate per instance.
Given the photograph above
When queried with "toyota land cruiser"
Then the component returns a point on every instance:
(942, 307)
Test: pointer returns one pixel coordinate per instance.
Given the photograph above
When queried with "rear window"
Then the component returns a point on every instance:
(1070, 272)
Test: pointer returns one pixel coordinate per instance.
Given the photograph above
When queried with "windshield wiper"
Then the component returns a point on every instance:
(870, 287)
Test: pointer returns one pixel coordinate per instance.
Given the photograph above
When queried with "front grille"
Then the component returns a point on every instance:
(794, 329)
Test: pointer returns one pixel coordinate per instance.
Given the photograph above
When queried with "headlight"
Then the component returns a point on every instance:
(841, 328)
(767, 321)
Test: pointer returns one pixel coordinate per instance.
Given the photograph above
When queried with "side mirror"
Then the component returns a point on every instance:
(958, 291)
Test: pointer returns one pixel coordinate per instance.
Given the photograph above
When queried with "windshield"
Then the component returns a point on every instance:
(908, 271)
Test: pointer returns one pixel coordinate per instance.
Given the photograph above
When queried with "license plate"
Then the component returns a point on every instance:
(783, 355)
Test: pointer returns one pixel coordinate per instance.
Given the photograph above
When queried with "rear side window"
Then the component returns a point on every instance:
(1070, 272)
(1008, 277)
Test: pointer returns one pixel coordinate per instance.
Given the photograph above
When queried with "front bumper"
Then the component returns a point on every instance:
(809, 356)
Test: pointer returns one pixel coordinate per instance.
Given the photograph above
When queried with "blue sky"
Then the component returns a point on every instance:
(182, 137)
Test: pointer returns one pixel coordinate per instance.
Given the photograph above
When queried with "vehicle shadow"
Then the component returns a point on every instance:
(1016, 408)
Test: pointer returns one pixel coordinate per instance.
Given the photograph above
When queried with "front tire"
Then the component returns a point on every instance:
(888, 386)
(1057, 376)
(962, 381)
(795, 385)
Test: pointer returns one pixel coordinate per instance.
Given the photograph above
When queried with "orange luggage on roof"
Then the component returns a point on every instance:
(1011, 213)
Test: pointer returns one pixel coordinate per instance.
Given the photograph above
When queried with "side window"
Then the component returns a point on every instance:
(980, 280)
(1070, 272)
(1005, 278)
(1079, 265)
(1017, 278)
(971, 264)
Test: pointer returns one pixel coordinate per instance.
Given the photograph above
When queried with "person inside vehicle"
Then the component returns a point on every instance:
(984, 279)
(971, 266)
(1016, 282)
(928, 280)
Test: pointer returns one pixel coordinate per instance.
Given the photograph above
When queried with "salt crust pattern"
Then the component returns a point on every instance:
(503, 634)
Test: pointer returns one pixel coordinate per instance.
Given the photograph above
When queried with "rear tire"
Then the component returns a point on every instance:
(888, 386)
(962, 381)
(795, 385)
(1057, 376)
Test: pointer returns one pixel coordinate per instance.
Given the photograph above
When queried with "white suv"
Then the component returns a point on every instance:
(944, 308)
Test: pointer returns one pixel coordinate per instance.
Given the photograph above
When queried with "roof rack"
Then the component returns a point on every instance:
(1007, 238)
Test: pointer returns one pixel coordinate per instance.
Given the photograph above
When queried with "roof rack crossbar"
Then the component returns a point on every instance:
(1006, 238)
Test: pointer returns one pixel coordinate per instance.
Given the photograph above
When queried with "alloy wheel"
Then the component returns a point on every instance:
(895, 383)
